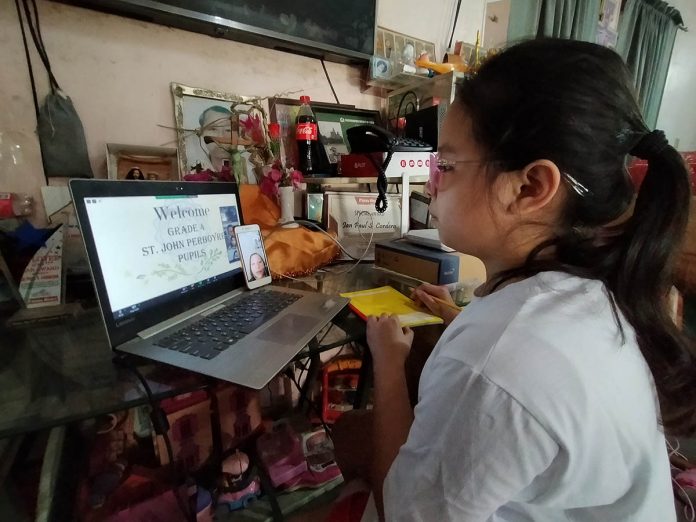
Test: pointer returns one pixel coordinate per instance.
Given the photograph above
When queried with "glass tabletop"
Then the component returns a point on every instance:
(56, 374)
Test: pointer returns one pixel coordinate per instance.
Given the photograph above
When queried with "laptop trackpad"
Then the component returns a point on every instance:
(290, 326)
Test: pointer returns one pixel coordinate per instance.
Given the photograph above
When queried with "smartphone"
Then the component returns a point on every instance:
(252, 255)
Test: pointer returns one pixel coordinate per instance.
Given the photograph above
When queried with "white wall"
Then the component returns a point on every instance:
(678, 110)
(117, 71)
(497, 18)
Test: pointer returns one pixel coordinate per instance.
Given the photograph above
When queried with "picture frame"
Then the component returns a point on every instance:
(219, 130)
(333, 121)
(390, 44)
(351, 217)
(154, 163)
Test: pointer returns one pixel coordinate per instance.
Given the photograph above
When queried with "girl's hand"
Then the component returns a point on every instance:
(423, 295)
(389, 343)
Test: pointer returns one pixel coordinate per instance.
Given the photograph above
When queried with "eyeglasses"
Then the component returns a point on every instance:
(439, 166)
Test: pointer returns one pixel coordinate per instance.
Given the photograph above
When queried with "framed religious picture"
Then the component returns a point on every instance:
(225, 133)
(135, 162)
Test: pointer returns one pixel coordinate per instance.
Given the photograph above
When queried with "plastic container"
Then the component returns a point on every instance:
(15, 205)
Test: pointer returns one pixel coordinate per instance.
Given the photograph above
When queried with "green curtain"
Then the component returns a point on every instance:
(575, 19)
(647, 30)
(524, 20)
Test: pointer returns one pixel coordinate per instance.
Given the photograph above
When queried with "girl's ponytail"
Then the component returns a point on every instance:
(539, 100)
(644, 274)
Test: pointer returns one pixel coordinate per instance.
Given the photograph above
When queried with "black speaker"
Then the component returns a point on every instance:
(425, 124)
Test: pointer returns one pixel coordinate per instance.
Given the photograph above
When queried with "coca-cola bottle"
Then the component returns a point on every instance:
(312, 159)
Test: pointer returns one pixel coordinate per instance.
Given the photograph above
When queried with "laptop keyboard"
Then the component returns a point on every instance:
(211, 335)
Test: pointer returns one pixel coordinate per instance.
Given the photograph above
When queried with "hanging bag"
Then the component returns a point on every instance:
(61, 135)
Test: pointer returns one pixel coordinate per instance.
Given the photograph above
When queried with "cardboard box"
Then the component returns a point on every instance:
(189, 429)
(352, 217)
(411, 163)
(240, 414)
(427, 264)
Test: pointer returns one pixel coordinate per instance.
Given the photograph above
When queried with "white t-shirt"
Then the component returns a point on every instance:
(531, 409)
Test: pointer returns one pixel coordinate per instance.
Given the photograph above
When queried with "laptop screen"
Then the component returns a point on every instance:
(157, 249)
(152, 249)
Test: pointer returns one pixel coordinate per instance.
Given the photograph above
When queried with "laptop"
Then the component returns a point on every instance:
(171, 286)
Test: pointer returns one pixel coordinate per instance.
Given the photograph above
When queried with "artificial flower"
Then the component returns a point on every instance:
(199, 174)
(278, 176)
(253, 128)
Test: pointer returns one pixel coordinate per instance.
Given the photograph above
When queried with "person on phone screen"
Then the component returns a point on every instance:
(257, 267)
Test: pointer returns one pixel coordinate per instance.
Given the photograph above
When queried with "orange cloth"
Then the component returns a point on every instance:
(291, 251)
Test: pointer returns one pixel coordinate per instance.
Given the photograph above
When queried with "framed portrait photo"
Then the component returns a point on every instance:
(135, 162)
(219, 130)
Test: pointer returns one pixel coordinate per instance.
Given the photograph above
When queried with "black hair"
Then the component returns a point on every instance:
(132, 174)
(573, 103)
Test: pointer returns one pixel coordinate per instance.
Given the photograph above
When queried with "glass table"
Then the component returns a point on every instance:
(52, 375)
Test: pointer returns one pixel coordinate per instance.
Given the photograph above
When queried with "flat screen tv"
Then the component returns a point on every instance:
(336, 30)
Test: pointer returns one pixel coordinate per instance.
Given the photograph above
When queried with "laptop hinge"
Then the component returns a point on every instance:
(205, 309)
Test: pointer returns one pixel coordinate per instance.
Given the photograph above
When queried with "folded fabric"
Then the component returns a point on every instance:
(291, 251)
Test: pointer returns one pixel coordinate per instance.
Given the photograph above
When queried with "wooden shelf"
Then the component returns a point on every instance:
(361, 180)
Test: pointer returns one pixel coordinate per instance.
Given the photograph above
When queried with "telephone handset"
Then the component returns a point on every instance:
(371, 138)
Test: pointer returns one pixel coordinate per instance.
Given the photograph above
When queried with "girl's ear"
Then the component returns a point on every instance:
(533, 188)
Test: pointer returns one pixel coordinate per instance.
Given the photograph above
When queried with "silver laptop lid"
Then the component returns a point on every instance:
(157, 249)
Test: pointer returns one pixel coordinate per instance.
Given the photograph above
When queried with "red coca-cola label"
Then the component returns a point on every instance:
(306, 131)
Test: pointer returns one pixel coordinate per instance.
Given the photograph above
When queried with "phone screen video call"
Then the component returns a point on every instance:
(253, 254)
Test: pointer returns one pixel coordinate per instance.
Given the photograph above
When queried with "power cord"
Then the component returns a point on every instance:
(160, 424)
(413, 104)
(454, 25)
(326, 72)
(337, 242)
(290, 374)
(382, 185)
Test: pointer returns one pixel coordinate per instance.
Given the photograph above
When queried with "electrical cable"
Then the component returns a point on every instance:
(382, 184)
(305, 367)
(454, 25)
(306, 223)
(398, 108)
(316, 409)
(326, 72)
(331, 325)
(161, 426)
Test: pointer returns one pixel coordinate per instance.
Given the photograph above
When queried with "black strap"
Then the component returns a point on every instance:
(35, 30)
(28, 55)
(31, 76)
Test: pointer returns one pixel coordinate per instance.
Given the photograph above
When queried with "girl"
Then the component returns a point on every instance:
(540, 401)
